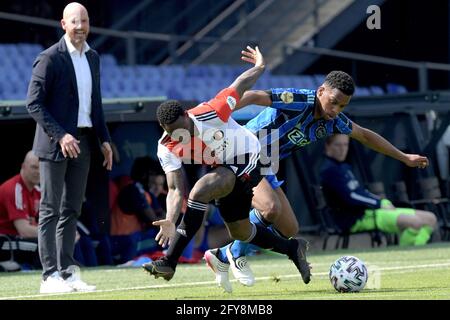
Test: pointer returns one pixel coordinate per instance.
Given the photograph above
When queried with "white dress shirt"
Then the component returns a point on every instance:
(84, 82)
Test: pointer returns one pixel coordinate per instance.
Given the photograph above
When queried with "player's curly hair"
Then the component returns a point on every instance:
(342, 81)
(169, 111)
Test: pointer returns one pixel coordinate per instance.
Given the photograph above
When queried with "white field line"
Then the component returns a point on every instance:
(313, 264)
(190, 284)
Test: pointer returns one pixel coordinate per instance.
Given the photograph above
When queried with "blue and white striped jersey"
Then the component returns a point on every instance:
(290, 120)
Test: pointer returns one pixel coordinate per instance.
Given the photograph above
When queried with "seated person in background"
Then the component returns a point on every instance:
(133, 212)
(135, 198)
(356, 209)
(19, 208)
(158, 186)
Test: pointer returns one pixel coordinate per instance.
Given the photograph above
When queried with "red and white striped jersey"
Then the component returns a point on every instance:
(17, 202)
(219, 139)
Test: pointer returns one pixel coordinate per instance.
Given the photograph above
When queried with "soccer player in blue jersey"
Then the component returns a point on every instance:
(295, 118)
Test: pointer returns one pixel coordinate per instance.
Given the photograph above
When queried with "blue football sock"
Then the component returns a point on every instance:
(256, 217)
(222, 254)
(239, 248)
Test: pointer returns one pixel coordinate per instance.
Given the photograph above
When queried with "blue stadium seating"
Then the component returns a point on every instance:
(193, 82)
(395, 88)
(376, 90)
(361, 92)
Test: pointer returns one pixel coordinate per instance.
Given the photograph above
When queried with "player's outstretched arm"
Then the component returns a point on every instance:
(380, 144)
(174, 201)
(258, 97)
(247, 79)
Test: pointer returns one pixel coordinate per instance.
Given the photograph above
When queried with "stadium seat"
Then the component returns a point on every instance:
(362, 92)
(377, 187)
(395, 88)
(214, 70)
(400, 197)
(376, 90)
(319, 79)
(306, 82)
(149, 73)
(197, 71)
(431, 199)
(329, 226)
(174, 93)
(107, 60)
(111, 73)
(11, 50)
(7, 244)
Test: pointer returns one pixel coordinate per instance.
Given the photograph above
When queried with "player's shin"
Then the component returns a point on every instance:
(265, 238)
(191, 222)
(240, 248)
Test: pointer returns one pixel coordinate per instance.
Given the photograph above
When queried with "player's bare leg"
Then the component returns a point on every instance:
(215, 184)
(275, 208)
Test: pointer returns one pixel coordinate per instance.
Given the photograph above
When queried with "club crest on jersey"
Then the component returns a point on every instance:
(218, 135)
(287, 97)
(231, 102)
(321, 132)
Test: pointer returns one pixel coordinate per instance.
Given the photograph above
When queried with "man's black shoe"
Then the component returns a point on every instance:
(298, 256)
(160, 268)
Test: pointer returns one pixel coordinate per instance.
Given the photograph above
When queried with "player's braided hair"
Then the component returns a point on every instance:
(169, 111)
(342, 81)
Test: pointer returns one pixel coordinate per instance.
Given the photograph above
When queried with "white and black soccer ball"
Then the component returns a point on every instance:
(348, 274)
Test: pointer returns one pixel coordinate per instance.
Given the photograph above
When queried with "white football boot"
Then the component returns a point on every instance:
(219, 268)
(241, 269)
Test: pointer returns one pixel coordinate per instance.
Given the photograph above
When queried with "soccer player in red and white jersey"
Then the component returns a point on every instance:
(207, 134)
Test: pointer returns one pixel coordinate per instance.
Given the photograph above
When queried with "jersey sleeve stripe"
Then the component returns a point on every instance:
(201, 109)
(18, 196)
(206, 114)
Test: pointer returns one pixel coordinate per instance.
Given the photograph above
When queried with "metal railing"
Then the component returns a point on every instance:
(172, 40)
(422, 67)
(130, 38)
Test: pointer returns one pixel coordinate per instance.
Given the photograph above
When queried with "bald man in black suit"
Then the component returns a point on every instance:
(64, 99)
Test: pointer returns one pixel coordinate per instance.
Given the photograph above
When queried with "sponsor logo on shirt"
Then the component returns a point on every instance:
(231, 101)
(297, 137)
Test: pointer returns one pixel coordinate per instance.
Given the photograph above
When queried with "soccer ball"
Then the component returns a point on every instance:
(348, 274)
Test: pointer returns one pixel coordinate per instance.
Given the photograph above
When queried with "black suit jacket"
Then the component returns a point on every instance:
(53, 100)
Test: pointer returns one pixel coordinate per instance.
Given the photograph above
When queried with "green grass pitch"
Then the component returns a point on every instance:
(395, 273)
